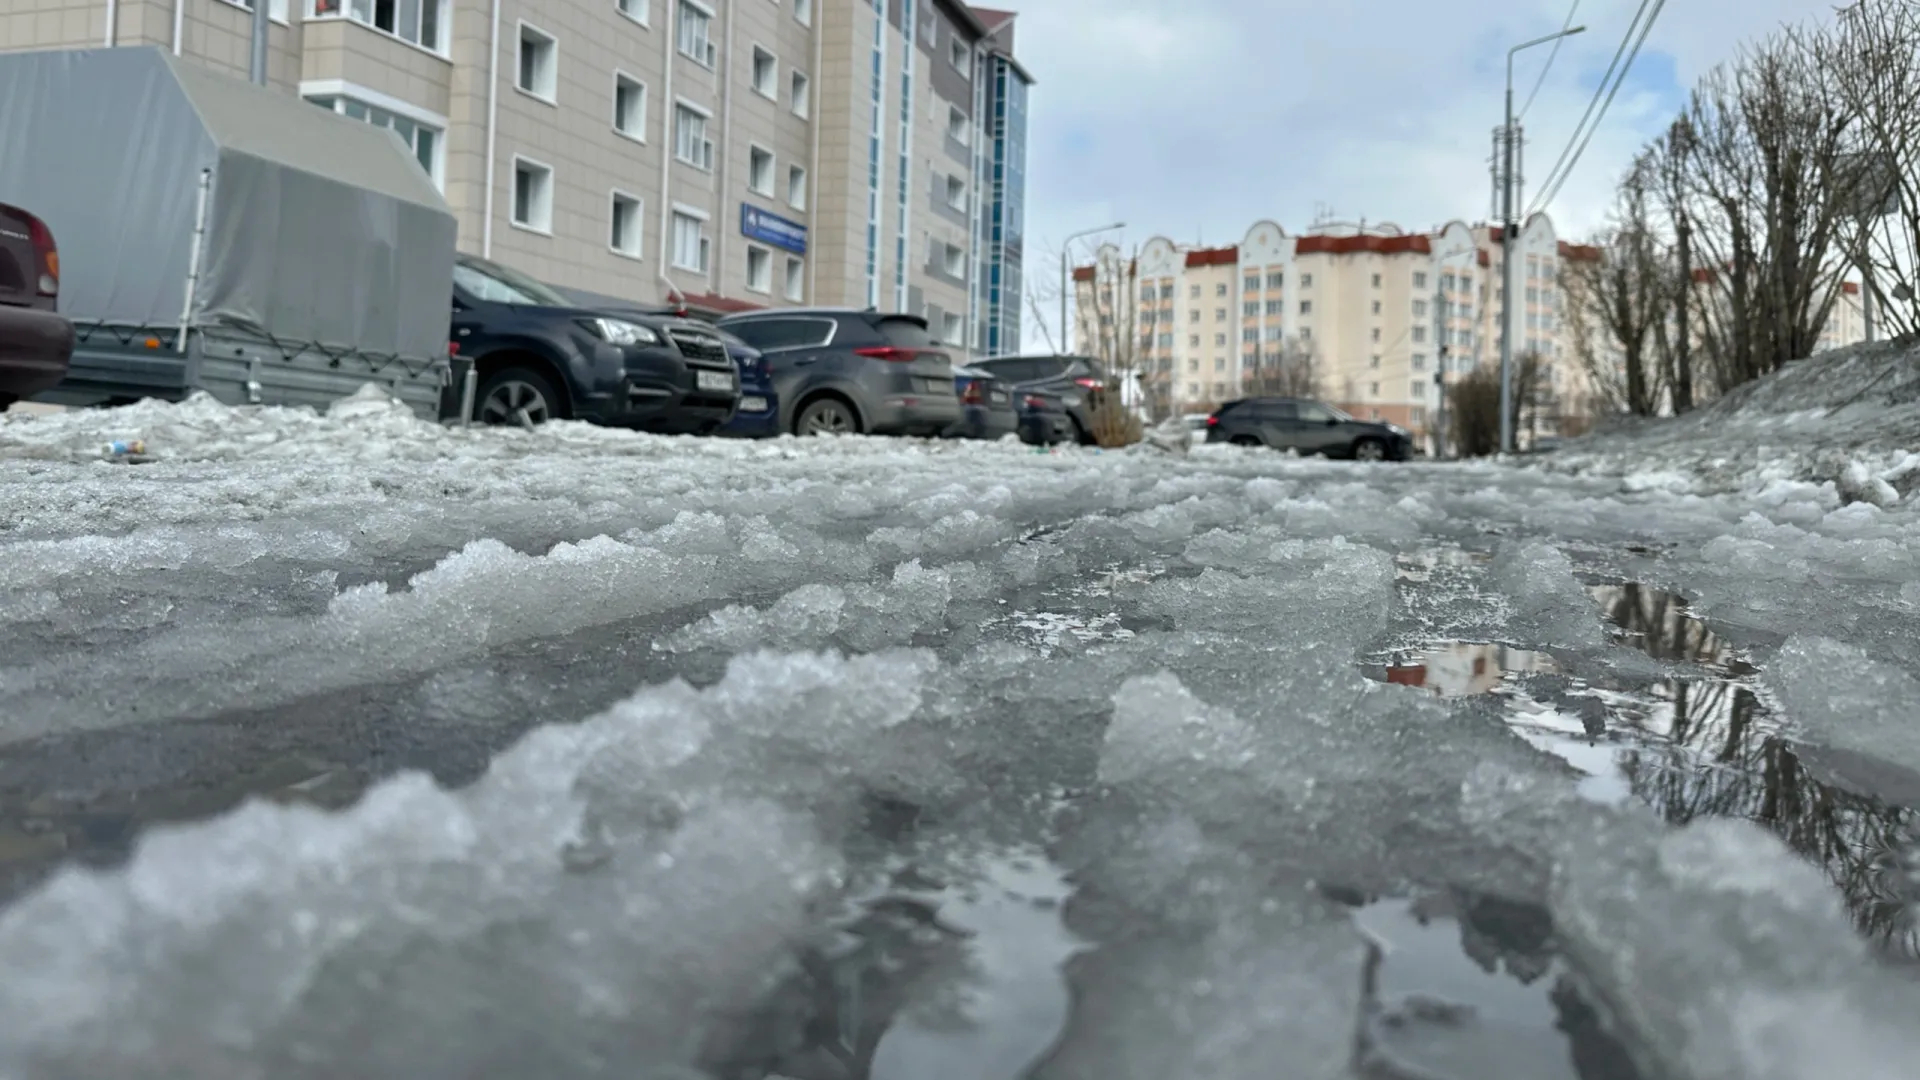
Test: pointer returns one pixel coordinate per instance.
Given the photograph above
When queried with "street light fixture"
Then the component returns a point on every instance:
(1508, 137)
(1065, 247)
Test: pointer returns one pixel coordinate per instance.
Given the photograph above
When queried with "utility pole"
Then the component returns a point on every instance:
(1066, 248)
(1682, 144)
(259, 66)
(1510, 298)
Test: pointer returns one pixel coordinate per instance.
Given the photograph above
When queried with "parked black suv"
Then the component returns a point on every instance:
(541, 357)
(841, 370)
(1309, 427)
(1077, 380)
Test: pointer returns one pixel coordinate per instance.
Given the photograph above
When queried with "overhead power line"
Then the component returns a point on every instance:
(1599, 92)
(1548, 66)
(1547, 194)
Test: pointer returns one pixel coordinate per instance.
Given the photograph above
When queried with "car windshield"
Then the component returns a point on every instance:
(495, 283)
(1314, 412)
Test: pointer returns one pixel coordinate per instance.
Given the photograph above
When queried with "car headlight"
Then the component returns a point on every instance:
(1398, 430)
(620, 332)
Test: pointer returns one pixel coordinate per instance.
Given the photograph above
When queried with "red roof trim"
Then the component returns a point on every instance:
(716, 302)
(1415, 243)
(1220, 256)
(1579, 252)
(1083, 273)
(1851, 288)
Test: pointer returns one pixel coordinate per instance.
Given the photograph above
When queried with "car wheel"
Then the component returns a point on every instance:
(516, 396)
(6, 401)
(1080, 433)
(1244, 440)
(827, 416)
(1369, 450)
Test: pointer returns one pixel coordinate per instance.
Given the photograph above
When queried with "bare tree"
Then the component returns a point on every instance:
(1617, 302)
(1872, 57)
(1767, 202)
(1290, 370)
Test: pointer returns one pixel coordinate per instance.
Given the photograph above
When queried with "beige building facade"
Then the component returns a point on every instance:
(730, 153)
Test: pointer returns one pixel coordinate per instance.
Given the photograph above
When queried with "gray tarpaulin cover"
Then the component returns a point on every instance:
(320, 228)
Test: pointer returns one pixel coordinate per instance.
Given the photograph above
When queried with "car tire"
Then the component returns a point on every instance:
(1369, 450)
(519, 396)
(826, 416)
(6, 401)
(1080, 433)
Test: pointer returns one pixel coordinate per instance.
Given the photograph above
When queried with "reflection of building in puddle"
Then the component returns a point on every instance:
(1659, 624)
(1464, 668)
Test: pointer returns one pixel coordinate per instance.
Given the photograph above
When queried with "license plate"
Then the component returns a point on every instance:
(753, 404)
(713, 380)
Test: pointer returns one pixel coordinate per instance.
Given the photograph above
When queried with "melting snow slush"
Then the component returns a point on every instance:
(599, 755)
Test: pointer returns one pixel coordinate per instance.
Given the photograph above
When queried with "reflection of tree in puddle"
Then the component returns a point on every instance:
(1659, 624)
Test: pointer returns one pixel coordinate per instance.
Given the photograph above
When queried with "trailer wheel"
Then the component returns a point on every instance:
(516, 396)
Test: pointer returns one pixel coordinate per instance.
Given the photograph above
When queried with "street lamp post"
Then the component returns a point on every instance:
(1066, 246)
(1508, 226)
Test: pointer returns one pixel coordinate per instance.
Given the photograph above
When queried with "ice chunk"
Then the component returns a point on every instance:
(1841, 696)
(1729, 958)
(1547, 604)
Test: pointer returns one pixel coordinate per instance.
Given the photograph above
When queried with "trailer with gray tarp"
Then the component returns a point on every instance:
(220, 236)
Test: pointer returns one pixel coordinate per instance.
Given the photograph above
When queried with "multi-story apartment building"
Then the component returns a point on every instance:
(1373, 312)
(731, 153)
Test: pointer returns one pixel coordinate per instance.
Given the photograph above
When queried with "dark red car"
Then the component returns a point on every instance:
(36, 341)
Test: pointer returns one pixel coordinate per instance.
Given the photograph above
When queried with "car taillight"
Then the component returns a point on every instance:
(1089, 383)
(972, 395)
(893, 353)
(48, 255)
(1032, 402)
(1213, 421)
(453, 348)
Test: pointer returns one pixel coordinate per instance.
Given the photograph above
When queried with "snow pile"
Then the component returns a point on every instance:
(1848, 419)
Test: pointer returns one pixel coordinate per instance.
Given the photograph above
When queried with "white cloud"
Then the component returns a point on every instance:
(1194, 118)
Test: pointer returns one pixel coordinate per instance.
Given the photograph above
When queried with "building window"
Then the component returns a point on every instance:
(1219, 363)
(422, 23)
(1193, 315)
(796, 187)
(1219, 314)
(1219, 390)
(1373, 389)
(532, 195)
(1219, 339)
(1420, 334)
(759, 269)
(1166, 341)
(950, 328)
(1376, 281)
(957, 53)
(1417, 415)
(1376, 306)
(955, 260)
(803, 12)
(1276, 307)
(1276, 278)
(1419, 308)
(689, 242)
(1419, 361)
(796, 279)
(1250, 309)
(1374, 361)
(799, 94)
(637, 10)
(766, 74)
(690, 142)
(1306, 307)
(1193, 341)
(956, 193)
(760, 171)
(424, 139)
(1220, 289)
(1194, 291)
(539, 63)
(1250, 333)
(1306, 333)
(1306, 281)
(1251, 283)
(956, 125)
(1376, 333)
(1419, 279)
(1419, 389)
(629, 107)
(623, 224)
(696, 33)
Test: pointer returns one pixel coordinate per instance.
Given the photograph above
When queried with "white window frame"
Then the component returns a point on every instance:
(705, 245)
(638, 134)
(705, 164)
(965, 129)
(773, 169)
(799, 93)
(637, 251)
(645, 16)
(340, 89)
(542, 228)
(551, 95)
(706, 60)
(322, 10)
(961, 203)
(958, 54)
(276, 10)
(796, 284)
(765, 255)
(772, 90)
(803, 12)
(951, 256)
(797, 173)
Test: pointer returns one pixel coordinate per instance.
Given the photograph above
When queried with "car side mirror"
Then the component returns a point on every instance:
(1332, 421)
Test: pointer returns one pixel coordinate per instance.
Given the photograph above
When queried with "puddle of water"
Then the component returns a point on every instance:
(931, 981)
(1423, 564)
(1659, 624)
(1462, 668)
(1468, 987)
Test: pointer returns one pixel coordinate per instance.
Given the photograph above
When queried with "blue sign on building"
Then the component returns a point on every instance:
(757, 224)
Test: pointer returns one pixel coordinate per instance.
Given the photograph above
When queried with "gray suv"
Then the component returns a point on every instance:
(840, 370)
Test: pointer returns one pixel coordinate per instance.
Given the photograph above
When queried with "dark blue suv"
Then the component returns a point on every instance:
(540, 356)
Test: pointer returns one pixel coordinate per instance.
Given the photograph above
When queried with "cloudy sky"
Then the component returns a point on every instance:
(1194, 118)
